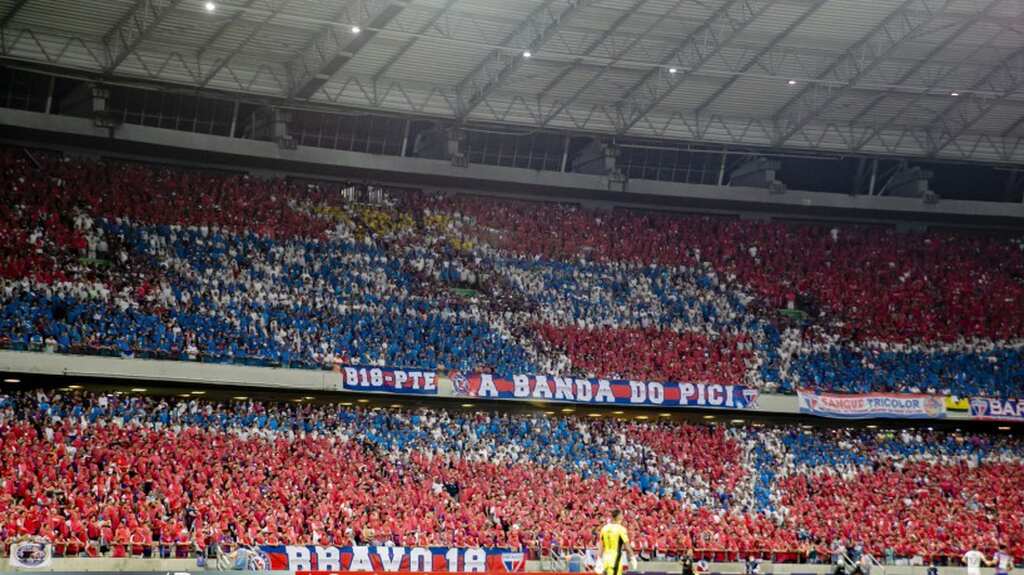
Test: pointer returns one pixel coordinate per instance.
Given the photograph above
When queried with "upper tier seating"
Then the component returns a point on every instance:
(149, 261)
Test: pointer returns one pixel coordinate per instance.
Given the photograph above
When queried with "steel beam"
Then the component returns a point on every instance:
(12, 12)
(133, 28)
(858, 61)
(594, 45)
(565, 103)
(223, 28)
(1013, 127)
(412, 41)
(927, 59)
(696, 49)
(767, 50)
(1004, 80)
(241, 46)
(880, 125)
(535, 30)
(330, 49)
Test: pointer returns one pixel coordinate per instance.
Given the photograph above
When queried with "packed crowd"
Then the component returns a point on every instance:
(195, 281)
(143, 261)
(118, 473)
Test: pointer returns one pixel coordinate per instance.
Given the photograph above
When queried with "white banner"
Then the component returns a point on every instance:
(872, 405)
(31, 554)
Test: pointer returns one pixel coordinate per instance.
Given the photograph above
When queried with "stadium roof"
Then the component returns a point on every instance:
(926, 78)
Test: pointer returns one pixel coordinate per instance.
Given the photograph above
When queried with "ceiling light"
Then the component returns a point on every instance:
(872, 427)
(527, 54)
(568, 410)
(308, 397)
(139, 389)
(709, 417)
(593, 415)
(1004, 428)
(185, 395)
(467, 405)
(356, 29)
(211, 7)
(347, 404)
(240, 397)
(736, 420)
(363, 400)
(549, 413)
(792, 82)
(673, 70)
(954, 93)
(198, 393)
(617, 412)
(12, 380)
(396, 405)
(642, 417)
(74, 387)
(665, 414)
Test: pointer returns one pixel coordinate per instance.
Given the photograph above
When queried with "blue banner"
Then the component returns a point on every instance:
(306, 558)
(994, 409)
(388, 379)
(604, 391)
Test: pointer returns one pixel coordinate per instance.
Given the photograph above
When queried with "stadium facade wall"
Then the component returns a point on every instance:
(248, 154)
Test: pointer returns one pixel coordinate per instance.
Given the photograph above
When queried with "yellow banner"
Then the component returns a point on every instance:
(957, 404)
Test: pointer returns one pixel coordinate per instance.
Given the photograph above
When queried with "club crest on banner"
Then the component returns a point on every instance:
(751, 396)
(934, 406)
(513, 562)
(979, 407)
(30, 554)
(258, 561)
(460, 383)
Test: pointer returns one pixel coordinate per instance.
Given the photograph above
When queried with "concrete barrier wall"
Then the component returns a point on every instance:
(110, 564)
(76, 368)
(673, 568)
(176, 566)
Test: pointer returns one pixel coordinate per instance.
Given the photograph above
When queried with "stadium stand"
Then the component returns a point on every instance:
(120, 474)
(146, 261)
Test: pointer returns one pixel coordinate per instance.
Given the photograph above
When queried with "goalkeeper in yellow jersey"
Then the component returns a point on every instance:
(614, 547)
